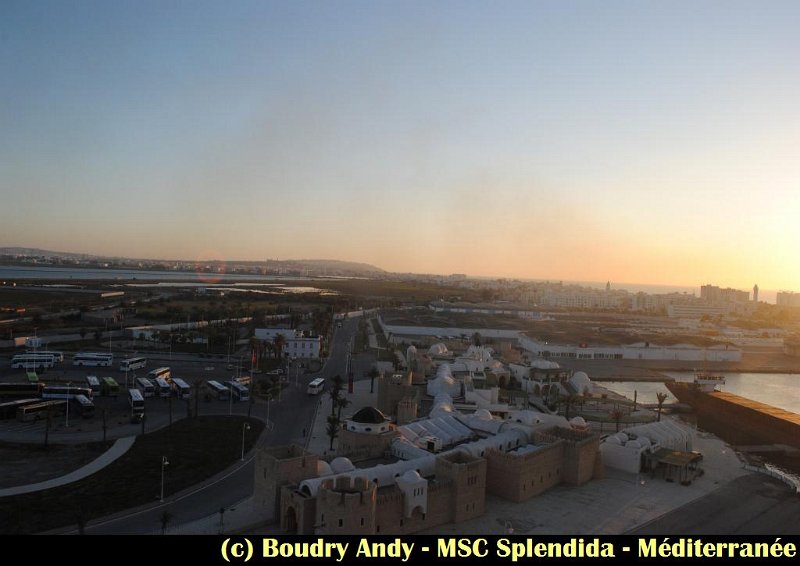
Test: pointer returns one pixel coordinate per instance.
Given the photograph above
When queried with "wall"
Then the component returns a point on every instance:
(518, 477)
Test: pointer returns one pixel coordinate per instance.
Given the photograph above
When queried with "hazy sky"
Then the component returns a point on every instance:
(651, 142)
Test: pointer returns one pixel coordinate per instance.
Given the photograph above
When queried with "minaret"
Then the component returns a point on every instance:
(755, 293)
(608, 286)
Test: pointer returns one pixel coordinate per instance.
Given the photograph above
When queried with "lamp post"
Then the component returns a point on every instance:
(66, 422)
(245, 427)
(164, 464)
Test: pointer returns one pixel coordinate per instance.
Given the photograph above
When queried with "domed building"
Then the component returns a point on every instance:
(368, 420)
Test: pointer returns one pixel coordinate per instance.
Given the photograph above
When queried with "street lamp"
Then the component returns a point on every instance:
(164, 464)
(66, 423)
(245, 427)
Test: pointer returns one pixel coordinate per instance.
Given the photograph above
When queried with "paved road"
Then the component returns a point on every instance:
(291, 415)
(754, 504)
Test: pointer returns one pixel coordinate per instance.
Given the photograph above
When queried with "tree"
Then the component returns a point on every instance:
(476, 339)
(334, 393)
(332, 429)
(341, 403)
(568, 400)
(166, 518)
(373, 373)
(660, 397)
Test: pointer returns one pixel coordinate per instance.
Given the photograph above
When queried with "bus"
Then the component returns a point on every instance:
(84, 406)
(93, 383)
(109, 387)
(218, 390)
(130, 364)
(32, 377)
(93, 359)
(239, 391)
(145, 386)
(21, 389)
(40, 410)
(58, 357)
(136, 401)
(8, 410)
(33, 361)
(164, 389)
(181, 388)
(65, 392)
(163, 373)
(316, 386)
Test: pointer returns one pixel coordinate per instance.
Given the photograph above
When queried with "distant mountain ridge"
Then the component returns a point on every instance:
(313, 266)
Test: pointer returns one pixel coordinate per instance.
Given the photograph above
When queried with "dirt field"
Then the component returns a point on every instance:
(22, 464)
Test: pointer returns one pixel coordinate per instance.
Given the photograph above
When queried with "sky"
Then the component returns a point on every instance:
(647, 142)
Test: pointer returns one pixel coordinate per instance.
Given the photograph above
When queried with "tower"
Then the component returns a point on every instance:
(755, 293)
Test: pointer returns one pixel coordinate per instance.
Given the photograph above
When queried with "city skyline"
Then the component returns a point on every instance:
(656, 145)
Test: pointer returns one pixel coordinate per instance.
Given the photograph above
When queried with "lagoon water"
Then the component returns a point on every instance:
(776, 389)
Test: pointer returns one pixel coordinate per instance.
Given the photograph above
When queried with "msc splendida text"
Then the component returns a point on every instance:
(242, 549)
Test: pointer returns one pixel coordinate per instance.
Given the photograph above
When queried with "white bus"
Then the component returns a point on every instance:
(57, 356)
(84, 405)
(145, 386)
(94, 383)
(92, 359)
(130, 364)
(163, 373)
(65, 392)
(217, 389)
(33, 361)
(239, 391)
(136, 401)
(316, 387)
(164, 389)
(181, 388)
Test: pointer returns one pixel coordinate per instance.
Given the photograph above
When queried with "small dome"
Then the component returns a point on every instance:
(412, 475)
(323, 468)
(368, 415)
(644, 441)
(342, 465)
(580, 381)
(483, 414)
(613, 440)
(633, 444)
(577, 421)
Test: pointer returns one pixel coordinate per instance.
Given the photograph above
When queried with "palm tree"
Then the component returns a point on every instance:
(332, 429)
(660, 397)
(341, 403)
(568, 400)
(336, 389)
(373, 373)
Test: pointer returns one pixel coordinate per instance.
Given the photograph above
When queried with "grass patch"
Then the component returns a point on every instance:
(195, 448)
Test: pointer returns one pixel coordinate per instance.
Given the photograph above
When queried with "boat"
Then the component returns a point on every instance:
(708, 382)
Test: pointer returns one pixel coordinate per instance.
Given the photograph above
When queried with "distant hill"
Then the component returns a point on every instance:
(314, 267)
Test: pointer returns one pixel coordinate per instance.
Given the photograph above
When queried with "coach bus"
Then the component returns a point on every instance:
(181, 388)
(136, 401)
(21, 389)
(163, 373)
(109, 387)
(84, 406)
(41, 410)
(65, 392)
(93, 383)
(33, 361)
(217, 389)
(58, 357)
(145, 386)
(239, 391)
(163, 387)
(92, 359)
(8, 409)
(130, 364)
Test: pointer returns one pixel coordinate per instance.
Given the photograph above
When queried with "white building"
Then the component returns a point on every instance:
(296, 343)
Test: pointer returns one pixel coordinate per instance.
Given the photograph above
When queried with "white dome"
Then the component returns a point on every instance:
(483, 414)
(577, 421)
(437, 349)
(342, 465)
(412, 475)
(544, 364)
(323, 468)
(633, 444)
(613, 440)
(644, 441)
(580, 381)
(623, 438)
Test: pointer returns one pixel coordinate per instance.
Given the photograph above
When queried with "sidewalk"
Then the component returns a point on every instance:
(119, 448)
(318, 441)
